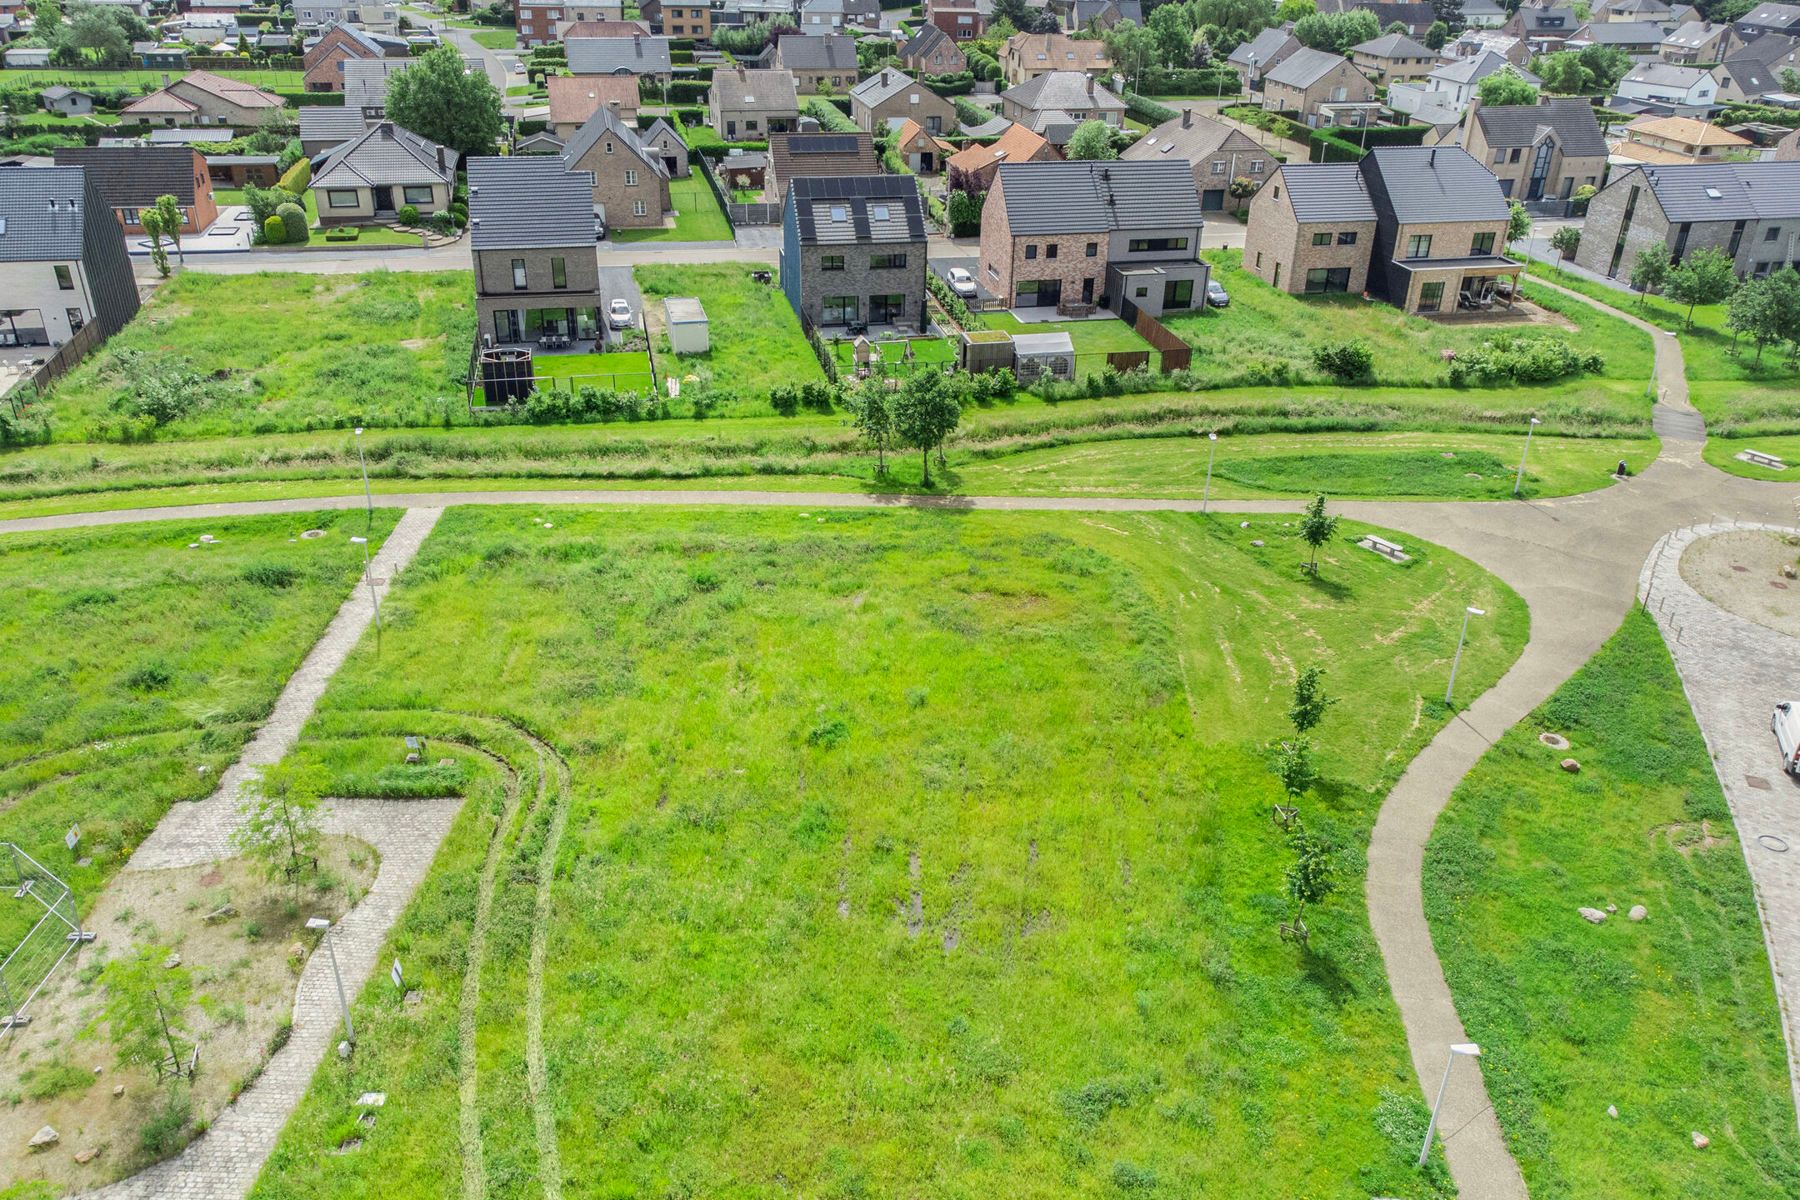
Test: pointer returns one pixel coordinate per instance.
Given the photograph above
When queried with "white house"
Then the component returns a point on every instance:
(1449, 88)
(1667, 83)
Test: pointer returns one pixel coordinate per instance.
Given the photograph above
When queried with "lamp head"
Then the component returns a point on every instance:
(1475, 612)
(359, 541)
(1466, 1049)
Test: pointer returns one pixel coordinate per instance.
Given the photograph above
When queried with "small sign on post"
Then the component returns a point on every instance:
(398, 978)
(72, 837)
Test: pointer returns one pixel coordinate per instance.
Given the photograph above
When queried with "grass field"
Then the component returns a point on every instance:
(925, 350)
(698, 216)
(496, 39)
(137, 78)
(138, 665)
(899, 854)
(617, 369)
(1673, 1020)
(756, 339)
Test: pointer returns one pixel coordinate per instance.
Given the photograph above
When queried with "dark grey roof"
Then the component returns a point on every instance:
(1623, 33)
(1085, 197)
(924, 41)
(1726, 191)
(1692, 35)
(618, 55)
(42, 209)
(1520, 124)
(59, 92)
(1304, 67)
(1199, 139)
(1478, 67)
(1439, 183)
(1772, 16)
(1327, 192)
(1393, 45)
(529, 203)
(874, 208)
(134, 176)
(883, 86)
(320, 122)
(384, 155)
(1066, 90)
(1548, 20)
(1768, 50)
(805, 52)
(1266, 46)
(604, 121)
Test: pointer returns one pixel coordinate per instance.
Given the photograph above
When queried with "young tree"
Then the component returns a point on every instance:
(281, 819)
(1311, 878)
(1132, 48)
(1092, 140)
(167, 214)
(924, 414)
(1437, 35)
(1310, 700)
(436, 100)
(1562, 73)
(1605, 65)
(1703, 277)
(1518, 222)
(1784, 286)
(1754, 313)
(1504, 87)
(872, 408)
(152, 221)
(146, 1003)
(1650, 270)
(1293, 10)
(1292, 764)
(1316, 528)
(1565, 241)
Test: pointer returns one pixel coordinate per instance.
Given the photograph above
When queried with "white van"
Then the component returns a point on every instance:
(1785, 723)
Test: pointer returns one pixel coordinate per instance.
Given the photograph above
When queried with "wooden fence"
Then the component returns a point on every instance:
(67, 357)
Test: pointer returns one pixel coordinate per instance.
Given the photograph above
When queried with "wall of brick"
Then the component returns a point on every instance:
(861, 280)
(1606, 213)
(618, 196)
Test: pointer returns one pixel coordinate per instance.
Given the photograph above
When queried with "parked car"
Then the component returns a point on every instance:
(599, 229)
(1216, 295)
(1785, 724)
(618, 314)
(960, 281)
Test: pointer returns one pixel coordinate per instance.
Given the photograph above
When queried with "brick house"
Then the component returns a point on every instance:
(1538, 150)
(1674, 140)
(959, 20)
(381, 171)
(1069, 94)
(323, 62)
(1394, 58)
(679, 20)
(573, 99)
(819, 155)
(1018, 144)
(812, 60)
(1749, 210)
(748, 105)
(1421, 227)
(932, 52)
(853, 251)
(1309, 79)
(660, 138)
(531, 234)
(631, 184)
(63, 263)
(1027, 55)
(541, 24)
(131, 179)
(1079, 236)
(641, 57)
(1263, 53)
(922, 152)
(891, 95)
(202, 98)
(1218, 154)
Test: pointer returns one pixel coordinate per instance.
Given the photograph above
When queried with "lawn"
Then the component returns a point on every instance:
(42, 77)
(698, 216)
(900, 854)
(757, 343)
(496, 39)
(926, 352)
(138, 664)
(1673, 1021)
(617, 370)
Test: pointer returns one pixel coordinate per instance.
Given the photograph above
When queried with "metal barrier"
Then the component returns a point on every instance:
(56, 934)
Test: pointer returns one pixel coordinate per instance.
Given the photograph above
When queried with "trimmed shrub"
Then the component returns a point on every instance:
(409, 214)
(296, 177)
(274, 232)
(293, 222)
(1147, 110)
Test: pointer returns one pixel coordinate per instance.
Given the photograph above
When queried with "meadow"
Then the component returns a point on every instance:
(888, 854)
(1672, 1021)
(757, 343)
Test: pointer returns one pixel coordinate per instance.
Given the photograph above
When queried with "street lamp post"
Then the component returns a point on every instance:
(368, 500)
(1212, 448)
(1468, 612)
(1460, 1050)
(375, 599)
(1519, 481)
(343, 1004)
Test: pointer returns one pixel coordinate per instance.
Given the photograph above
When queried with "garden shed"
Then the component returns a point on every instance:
(985, 350)
(688, 332)
(1036, 355)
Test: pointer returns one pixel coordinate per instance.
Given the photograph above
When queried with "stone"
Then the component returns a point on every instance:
(446, 762)
(1788, 572)
(1555, 741)
(413, 759)
(171, 962)
(1571, 766)
(1612, 1110)
(344, 1049)
(84, 862)
(1701, 1141)
(412, 997)
(99, 1070)
(371, 1100)
(43, 1139)
(1638, 912)
(296, 953)
(222, 913)
(1612, 908)
(119, 1090)
(1592, 915)
(1256, 541)
(84, 1157)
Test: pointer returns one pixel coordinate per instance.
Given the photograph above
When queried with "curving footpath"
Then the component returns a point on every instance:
(1575, 561)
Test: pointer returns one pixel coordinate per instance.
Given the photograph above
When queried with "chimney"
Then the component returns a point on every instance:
(1187, 118)
(1090, 83)
(1431, 159)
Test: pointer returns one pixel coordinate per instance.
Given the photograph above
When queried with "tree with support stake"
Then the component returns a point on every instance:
(1309, 880)
(281, 820)
(146, 1003)
(1316, 528)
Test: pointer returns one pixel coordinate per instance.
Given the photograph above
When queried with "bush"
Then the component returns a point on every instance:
(293, 222)
(817, 396)
(295, 179)
(409, 214)
(274, 232)
(1346, 362)
(1510, 357)
(271, 575)
(785, 399)
(1148, 111)
(164, 1133)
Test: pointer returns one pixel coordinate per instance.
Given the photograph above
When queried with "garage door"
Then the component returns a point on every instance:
(1212, 200)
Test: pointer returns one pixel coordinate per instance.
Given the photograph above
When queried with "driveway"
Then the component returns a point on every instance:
(618, 281)
(941, 268)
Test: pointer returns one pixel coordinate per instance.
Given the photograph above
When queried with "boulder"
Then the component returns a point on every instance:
(85, 1157)
(43, 1139)
(119, 1089)
(171, 962)
(222, 913)
(1571, 766)
(1638, 912)
(1592, 915)
(1701, 1141)
(413, 759)
(1612, 908)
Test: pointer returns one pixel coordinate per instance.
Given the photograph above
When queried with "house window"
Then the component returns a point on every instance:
(1418, 246)
(831, 262)
(1030, 252)
(65, 281)
(341, 198)
(1093, 249)
(417, 195)
(631, 179)
(1431, 297)
(1050, 250)
(1327, 279)
(1499, 156)
(886, 262)
(559, 273)
(885, 310)
(1347, 239)
(1256, 165)
(1178, 293)
(837, 310)
(130, 216)
(1773, 233)
(518, 269)
(1321, 239)
(1143, 245)
(1481, 243)
(608, 146)
(1218, 167)
(1140, 293)
(639, 209)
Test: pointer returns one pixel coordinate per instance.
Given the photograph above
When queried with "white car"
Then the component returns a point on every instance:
(618, 315)
(1784, 723)
(960, 281)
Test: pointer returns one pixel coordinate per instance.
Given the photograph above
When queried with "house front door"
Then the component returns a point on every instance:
(384, 200)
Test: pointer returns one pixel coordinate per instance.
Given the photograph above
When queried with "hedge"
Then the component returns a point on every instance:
(950, 85)
(532, 125)
(684, 91)
(1148, 110)
(1163, 81)
(1738, 114)
(327, 99)
(1347, 145)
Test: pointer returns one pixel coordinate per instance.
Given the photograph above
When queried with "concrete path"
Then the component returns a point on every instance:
(1735, 671)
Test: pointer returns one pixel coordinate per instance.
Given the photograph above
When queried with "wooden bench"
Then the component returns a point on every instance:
(1385, 548)
(1758, 458)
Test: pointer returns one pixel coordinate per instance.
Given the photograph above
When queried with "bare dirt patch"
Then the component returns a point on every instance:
(60, 1070)
(1741, 572)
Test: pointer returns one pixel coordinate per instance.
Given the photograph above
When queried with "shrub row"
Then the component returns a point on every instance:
(1187, 81)
(1522, 360)
(1145, 109)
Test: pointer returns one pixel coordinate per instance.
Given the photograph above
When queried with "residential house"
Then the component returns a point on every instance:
(1699, 42)
(202, 98)
(748, 105)
(978, 163)
(819, 155)
(323, 126)
(314, 15)
(540, 22)
(829, 61)
(1074, 237)
(1025, 56)
(687, 20)
(1394, 58)
(735, 14)
(63, 265)
(1068, 95)
(242, 170)
(1218, 154)
(1675, 140)
(923, 152)
(1472, 42)
(819, 17)
(1753, 71)
(1484, 14)
(640, 56)
(1667, 84)
(1769, 18)
(631, 184)
(531, 234)
(1626, 11)
(1750, 210)
(608, 28)
(374, 175)
(132, 178)
(1098, 16)
(575, 98)
(932, 52)
(1538, 151)
(323, 61)
(1543, 29)
(1262, 53)
(853, 252)
(366, 84)
(1788, 148)
(959, 20)
(1639, 39)
(1421, 227)
(1309, 81)
(890, 95)
(66, 101)
(1453, 86)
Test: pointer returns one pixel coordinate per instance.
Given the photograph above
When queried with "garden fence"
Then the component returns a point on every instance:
(55, 933)
(67, 357)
